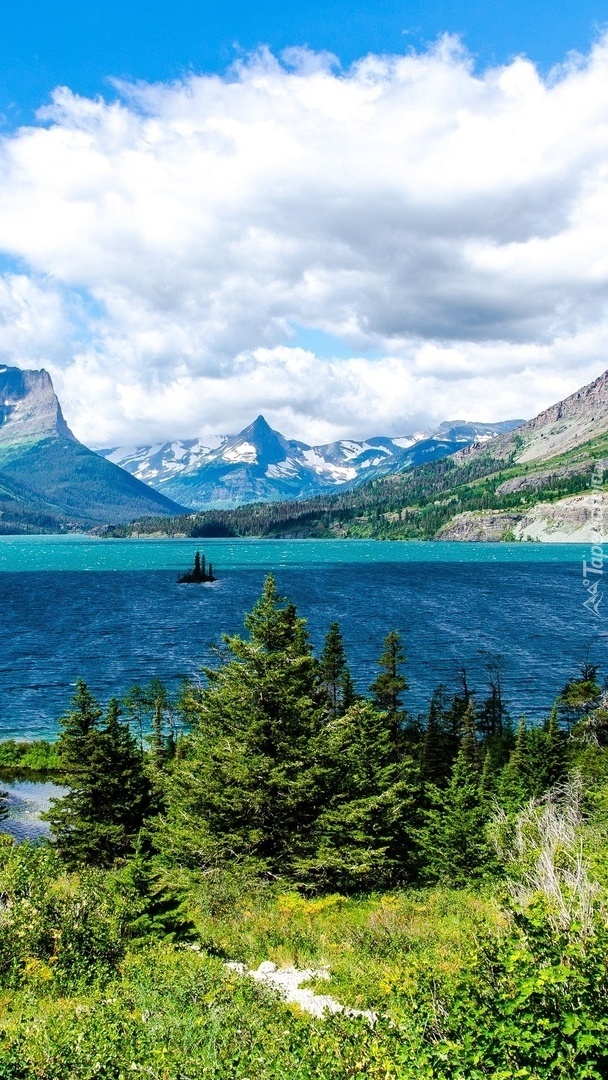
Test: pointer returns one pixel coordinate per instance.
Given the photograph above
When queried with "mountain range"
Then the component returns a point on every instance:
(261, 465)
(545, 480)
(49, 481)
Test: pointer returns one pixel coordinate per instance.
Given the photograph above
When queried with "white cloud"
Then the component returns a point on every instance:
(451, 228)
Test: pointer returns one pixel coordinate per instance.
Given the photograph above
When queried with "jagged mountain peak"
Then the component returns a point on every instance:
(260, 464)
(48, 479)
(29, 407)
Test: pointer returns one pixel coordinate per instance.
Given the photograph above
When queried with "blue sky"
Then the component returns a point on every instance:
(197, 229)
(44, 43)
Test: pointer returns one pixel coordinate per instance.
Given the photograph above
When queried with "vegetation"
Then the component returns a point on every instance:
(411, 505)
(199, 573)
(37, 756)
(448, 871)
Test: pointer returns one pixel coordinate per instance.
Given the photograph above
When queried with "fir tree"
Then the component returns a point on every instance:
(579, 696)
(513, 788)
(162, 746)
(100, 818)
(365, 834)
(556, 757)
(453, 841)
(335, 673)
(251, 781)
(390, 684)
(438, 745)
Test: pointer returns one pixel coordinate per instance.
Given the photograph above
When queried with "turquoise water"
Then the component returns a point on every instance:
(111, 611)
(77, 553)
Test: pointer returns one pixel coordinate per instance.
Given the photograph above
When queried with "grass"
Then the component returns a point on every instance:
(375, 948)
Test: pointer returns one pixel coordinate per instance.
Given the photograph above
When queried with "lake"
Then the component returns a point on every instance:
(26, 801)
(111, 612)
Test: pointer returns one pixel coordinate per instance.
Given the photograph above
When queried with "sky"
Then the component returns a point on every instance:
(355, 218)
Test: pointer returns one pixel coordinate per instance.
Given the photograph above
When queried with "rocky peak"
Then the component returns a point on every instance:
(29, 408)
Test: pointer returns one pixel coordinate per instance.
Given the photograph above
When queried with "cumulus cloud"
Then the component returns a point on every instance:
(446, 227)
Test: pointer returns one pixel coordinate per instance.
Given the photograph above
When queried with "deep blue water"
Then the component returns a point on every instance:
(112, 613)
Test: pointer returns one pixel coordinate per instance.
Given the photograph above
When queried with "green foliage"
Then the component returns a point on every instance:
(580, 696)
(455, 849)
(250, 782)
(364, 836)
(389, 686)
(110, 797)
(38, 756)
(334, 672)
(532, 1005)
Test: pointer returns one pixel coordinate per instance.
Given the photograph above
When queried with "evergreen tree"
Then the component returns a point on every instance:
(469, 744)
(162, 746)
(335, 673)
(513, 788)
(555, 758)
(493, 713)
(365, 834)
(390, 684)
(579, 696)
(438, 746)
(455, 850)
(251, 781)
(100, 818)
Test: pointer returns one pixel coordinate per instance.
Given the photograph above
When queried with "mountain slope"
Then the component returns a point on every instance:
(485, 491)
(49, 480)
(261, 465)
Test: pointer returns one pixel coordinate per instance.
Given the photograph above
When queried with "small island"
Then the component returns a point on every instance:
(199, 573)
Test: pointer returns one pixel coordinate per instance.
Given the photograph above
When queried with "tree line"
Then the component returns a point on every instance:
(274, 764)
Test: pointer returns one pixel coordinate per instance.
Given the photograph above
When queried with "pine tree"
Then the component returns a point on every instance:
(579, 696)
(335, 673)
(365, 834)
(251, 781)
(469, 744)
(162, 746)
(438, 748)
(390, 684)
(455, 850)
(100, 818)
(513, 788)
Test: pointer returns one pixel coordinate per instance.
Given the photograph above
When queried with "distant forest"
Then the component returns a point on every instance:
(412, 505)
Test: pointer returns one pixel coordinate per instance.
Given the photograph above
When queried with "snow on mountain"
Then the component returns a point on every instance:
(260, 465)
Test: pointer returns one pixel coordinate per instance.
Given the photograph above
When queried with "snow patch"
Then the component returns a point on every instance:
(243, 452)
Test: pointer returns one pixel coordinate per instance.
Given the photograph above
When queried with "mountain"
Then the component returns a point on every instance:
(48, 480)
(261, 465)
(545, 480)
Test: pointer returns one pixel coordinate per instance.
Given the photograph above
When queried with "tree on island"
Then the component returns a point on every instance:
(199, 573)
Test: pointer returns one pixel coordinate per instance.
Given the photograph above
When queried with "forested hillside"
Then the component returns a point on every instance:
(448, 874)
(412, 505)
